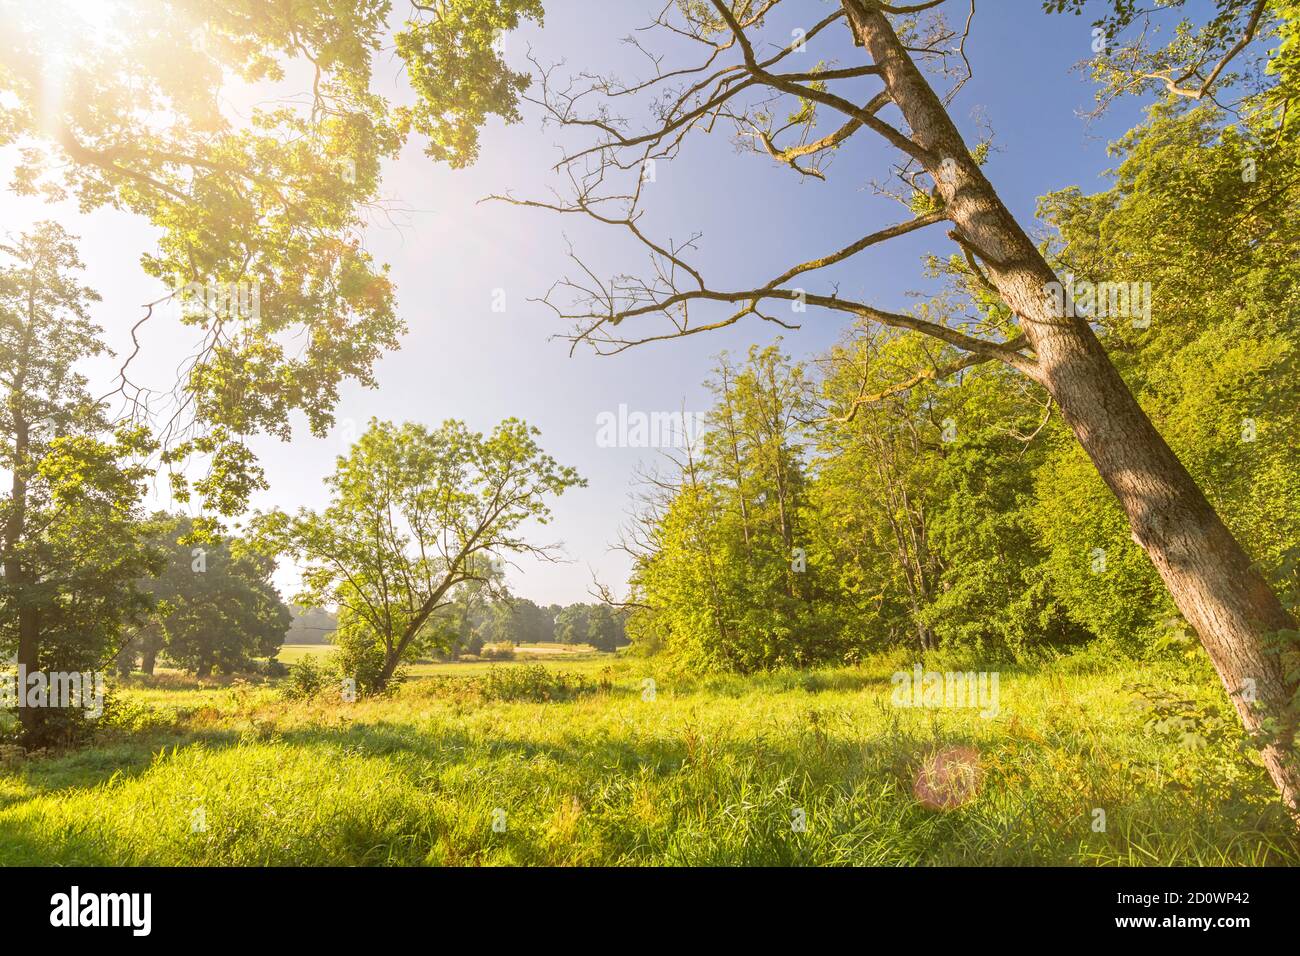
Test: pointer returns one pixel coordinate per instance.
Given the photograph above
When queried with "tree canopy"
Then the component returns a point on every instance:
(414, 513)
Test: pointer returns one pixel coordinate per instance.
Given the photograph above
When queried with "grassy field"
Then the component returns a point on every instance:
(560, 654)
(576, 762)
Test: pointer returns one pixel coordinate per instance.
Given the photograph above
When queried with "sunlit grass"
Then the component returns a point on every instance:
(709, 771)
(293, 653)
(566, 656)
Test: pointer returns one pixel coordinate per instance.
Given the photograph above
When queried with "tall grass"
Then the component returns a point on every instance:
(700, 771)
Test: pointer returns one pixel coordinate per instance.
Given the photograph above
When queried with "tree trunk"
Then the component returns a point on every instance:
(391, 659)
(31, 719)
(148, 659)
(126, 659)
(19, 578)
(1210, 577)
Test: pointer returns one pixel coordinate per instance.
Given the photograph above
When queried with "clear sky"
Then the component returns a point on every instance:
(449, 253)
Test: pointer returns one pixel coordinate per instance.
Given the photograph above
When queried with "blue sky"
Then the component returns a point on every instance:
(449, 252)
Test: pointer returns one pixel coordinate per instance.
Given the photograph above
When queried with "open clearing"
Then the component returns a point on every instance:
(701, 771)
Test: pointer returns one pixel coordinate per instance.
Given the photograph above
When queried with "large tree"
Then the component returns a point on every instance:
(71, 546)
(260, 216)
(777, 103)
(413, 513)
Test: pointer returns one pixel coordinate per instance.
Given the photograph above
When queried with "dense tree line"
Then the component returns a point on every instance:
(811, 524)
(521, 621)
(1014, 307)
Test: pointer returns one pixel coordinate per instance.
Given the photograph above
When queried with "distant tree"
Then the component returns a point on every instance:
(604, 628)
(413, 513)
(471, 607)
(216, 608)
(310, 625)
(531, 624)
(499, 626)
(519, 621)
(143, 645)
(571, 624)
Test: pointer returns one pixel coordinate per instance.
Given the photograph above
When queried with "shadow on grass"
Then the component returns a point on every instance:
(833, 767)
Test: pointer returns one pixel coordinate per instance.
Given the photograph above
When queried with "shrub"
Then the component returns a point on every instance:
(275, 668)
(306, 678)
(360, 656)
(128, 717)
(522, 682)
(532, 682)
(504, 651)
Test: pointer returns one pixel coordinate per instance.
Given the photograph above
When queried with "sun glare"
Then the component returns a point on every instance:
(97, 14)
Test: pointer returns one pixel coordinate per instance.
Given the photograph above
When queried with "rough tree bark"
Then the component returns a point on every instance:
(1212, 580)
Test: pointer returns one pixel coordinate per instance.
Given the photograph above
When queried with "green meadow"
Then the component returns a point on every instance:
(579, 759)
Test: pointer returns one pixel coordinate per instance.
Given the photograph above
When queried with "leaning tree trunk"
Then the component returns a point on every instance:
(392, 658)
(1212, 580)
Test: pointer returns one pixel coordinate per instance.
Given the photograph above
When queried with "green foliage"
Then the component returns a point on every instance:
(1216, 370)
(944, 504)
(857, 524)
(71, 542)
(274, 205)
(454, 64)
(531, 682)
(518, 682)
(362, 655)
(604, 628)
(414, 513)
(726, 584)
(127, 716)
(307, 677)
(217, 609)
(520, 621)
(571, 624)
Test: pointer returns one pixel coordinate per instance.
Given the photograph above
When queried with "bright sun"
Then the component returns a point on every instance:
(94, 13)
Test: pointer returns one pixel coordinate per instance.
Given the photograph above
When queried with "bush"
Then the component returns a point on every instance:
(363, 661)
(504, 651)
(307, 677)
(522, 682)
(272, 668)
(360, 656)
(129, 717)
(532, 682)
